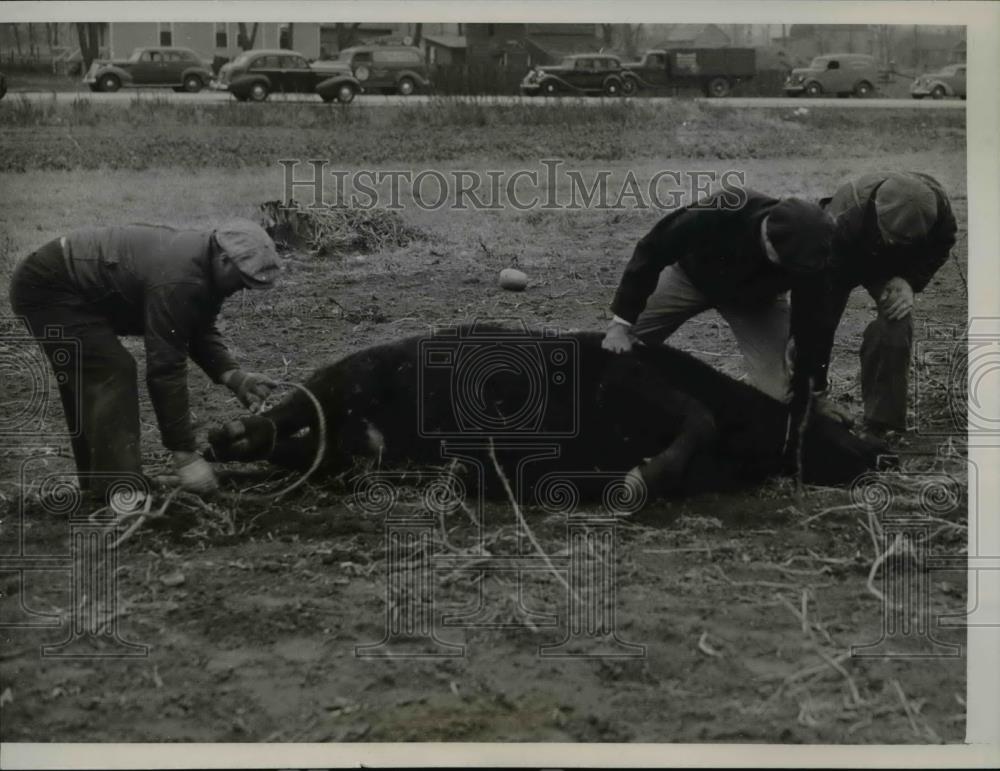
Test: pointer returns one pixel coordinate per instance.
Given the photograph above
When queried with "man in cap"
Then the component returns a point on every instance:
(893, 231)
(164, 284)
(739, 254)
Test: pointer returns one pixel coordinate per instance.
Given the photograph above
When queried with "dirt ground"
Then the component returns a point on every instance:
(747, 605)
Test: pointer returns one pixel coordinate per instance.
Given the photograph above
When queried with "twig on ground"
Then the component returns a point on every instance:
(831, 510)
(907, 708)
(521, 520)
(835, 663)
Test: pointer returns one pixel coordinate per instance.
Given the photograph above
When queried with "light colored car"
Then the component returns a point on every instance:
(840, 74)
(948, 81)
(178, 68)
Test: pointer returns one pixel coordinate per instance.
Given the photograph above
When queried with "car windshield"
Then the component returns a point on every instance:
(242, 59)
(136, 54)
(568, 61)
(819, 63)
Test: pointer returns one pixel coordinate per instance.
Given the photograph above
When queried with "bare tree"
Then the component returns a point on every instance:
(631, 33)
(243, 40)
(883, 43)
(346, 34)
(608, 35)
(89, 34)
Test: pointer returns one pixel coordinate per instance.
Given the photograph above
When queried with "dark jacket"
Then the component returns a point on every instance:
(860, 258)
(720, 250)
(156, 281)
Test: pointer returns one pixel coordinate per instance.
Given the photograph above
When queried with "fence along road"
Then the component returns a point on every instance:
(373, 100)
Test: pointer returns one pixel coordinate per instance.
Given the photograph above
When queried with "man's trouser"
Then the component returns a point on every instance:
(761, 331)
(885, 368)
(97, 381)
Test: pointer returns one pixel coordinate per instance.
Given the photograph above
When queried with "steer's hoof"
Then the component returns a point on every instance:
(246, 439)
(636, 492)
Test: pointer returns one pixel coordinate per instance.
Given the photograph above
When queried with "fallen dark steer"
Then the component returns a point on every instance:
(402, 402)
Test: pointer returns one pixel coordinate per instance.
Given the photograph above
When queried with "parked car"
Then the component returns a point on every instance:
(3, 85)
(577, 74)
(948, 81)
(178, 68)
(712, 70)
(255, 75)
(840, 74)
(396, 69)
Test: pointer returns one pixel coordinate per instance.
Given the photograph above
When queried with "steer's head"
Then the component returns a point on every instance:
(250, 438)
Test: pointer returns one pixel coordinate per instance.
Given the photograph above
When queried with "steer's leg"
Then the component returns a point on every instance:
(256, 437)
(665, 472)
(679, 423)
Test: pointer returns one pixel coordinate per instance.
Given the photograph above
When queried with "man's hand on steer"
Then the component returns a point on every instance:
(195, 472)
(617, 339)
(896, 300)
(251, 388)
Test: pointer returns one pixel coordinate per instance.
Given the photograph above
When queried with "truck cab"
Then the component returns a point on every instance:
(714, 71)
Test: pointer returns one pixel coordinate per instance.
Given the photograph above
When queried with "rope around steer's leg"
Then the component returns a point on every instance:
(320, 452)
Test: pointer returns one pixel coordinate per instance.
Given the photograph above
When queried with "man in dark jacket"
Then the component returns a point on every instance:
(164, 284)
(894, 230)
(740, 257)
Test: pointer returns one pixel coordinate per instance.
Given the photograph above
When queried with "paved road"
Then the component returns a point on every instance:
(207, 97)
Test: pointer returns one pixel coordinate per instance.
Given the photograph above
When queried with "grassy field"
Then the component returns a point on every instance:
(746, 604)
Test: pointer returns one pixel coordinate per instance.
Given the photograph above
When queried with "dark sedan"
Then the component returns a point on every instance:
(255, 75)
(178, 68)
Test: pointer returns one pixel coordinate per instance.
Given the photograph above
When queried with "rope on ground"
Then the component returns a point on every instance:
(146, 513)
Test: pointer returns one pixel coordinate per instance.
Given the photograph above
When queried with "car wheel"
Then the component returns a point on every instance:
(863, 90)
(405, 86)
(629, 86)
(193, 84)
(612, 87)
(938, 92)
(345, 94)
(550, 88)
(814, 89)
(718, 87)
(259, 92)
(110, 83)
